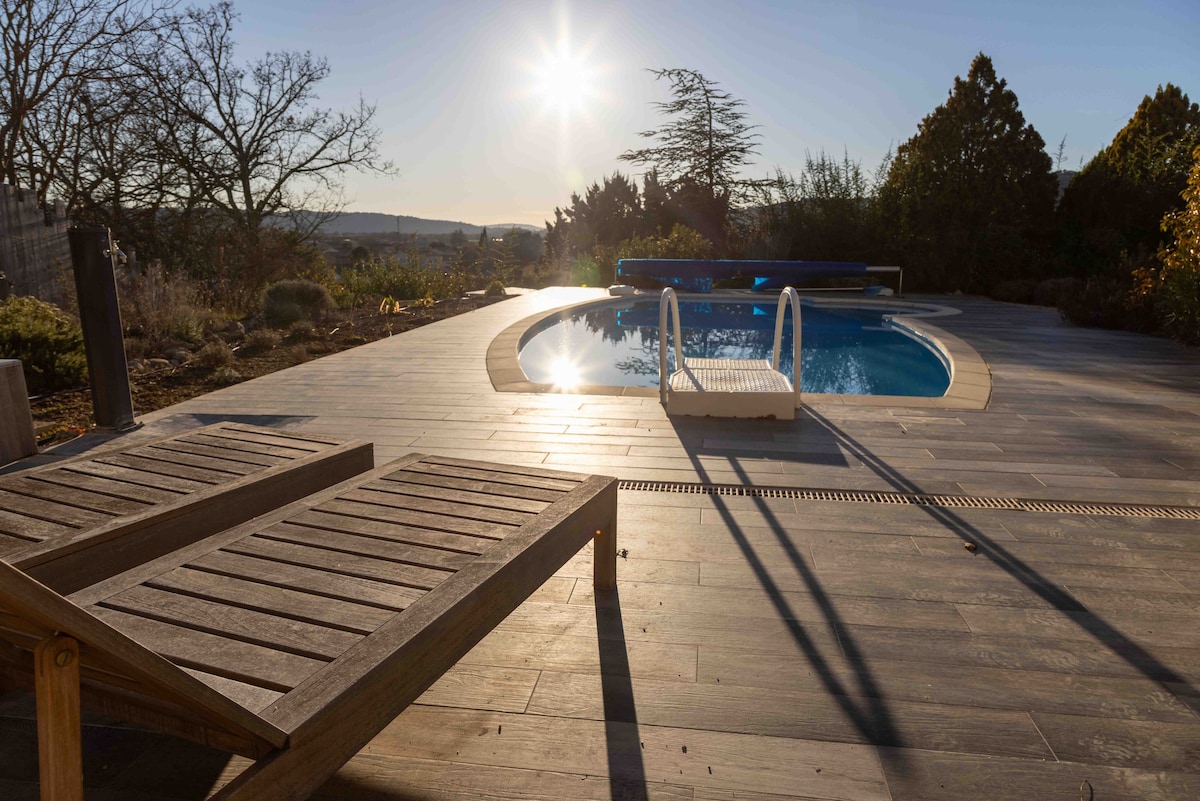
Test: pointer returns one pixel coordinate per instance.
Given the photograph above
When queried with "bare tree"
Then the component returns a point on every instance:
(53, 50)
(246, 139)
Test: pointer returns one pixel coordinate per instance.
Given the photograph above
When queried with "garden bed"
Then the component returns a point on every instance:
(63, 415)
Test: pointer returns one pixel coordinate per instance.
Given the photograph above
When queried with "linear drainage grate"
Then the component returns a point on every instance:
(916, 499)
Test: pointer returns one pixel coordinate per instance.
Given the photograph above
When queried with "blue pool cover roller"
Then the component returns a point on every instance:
(698, 275)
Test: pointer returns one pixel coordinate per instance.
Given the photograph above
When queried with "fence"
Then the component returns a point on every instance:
(34, 254)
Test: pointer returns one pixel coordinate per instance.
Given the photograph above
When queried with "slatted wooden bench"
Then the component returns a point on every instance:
(74, 522)
(296, 637)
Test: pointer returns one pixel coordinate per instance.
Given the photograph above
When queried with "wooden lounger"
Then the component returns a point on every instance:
(296, 637)
(72, 523)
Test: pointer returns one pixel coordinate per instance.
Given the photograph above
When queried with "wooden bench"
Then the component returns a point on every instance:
(72, 523)
(296, 637)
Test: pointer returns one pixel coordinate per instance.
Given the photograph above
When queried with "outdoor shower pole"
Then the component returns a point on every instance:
(92, 254)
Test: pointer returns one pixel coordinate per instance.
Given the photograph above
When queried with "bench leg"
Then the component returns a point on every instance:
(604, 558)
(56, 687)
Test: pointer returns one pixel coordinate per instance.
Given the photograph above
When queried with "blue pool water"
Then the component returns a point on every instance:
(846, 351)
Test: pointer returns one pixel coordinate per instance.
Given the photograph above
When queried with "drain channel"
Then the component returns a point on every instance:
(916, 499)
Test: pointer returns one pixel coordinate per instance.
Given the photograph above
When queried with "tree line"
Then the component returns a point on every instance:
(141, 115)
(971, 202)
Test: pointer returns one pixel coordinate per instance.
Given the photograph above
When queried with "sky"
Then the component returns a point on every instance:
(495, 112)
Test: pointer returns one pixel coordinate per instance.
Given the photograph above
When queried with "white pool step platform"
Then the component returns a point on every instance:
(751, 388)
(731, 388)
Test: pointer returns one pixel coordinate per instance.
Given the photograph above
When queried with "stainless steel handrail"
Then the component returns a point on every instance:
(789, 297)
(667, 302)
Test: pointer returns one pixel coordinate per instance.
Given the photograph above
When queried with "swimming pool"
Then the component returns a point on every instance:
(846, 350)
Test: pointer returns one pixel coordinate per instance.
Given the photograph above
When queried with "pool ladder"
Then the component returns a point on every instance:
(729, 387)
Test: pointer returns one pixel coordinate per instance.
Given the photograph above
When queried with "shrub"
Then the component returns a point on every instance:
(1102, 303)
(1181, 305)
(47, 341)
(389, 278)
(286, 302)
(495, 290)
(681, 243)
(214, 355)
(161, 308)
(296, 354)
(262, 339)
(224, 376)
(300, 331)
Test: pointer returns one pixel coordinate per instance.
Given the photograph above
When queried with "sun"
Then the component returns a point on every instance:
(564, 80)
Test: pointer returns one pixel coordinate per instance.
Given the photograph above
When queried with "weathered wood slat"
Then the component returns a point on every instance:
(390, 550)
(154, 480)
(75, 496)
(108, 486)
(241, 661)
(219, 451)
(520, 473)
(427, 479)
(284, 602)
(88, 555)
(248, 695)
(277, 437)
(195, 460)
(169, 468)
(464, 543)
(247, 445)
(394, 500)
(344, 563)
(444, 468)
(31, 529)
(477, 497)
(10, 544)
(233, 622)
(35, 508)
(390, 597)
(417, 518)
(161, 462)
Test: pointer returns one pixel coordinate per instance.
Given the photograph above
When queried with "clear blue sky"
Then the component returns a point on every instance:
(495, 112)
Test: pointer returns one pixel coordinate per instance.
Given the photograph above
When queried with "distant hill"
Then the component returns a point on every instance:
(365, 222)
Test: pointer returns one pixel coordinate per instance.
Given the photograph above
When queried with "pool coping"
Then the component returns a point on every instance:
(970, 377)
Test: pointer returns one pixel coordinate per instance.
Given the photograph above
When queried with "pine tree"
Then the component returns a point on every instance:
(966, 192)
(698, 153)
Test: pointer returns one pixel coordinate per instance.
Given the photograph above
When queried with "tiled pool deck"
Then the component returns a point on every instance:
(769, 648)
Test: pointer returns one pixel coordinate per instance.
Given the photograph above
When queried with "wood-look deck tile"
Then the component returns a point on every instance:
(1083, 621)
(736, 761)
(798, 715)
(1132, 698)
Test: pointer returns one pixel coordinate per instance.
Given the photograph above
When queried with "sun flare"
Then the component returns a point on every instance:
(565, 81)
(566, 375)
